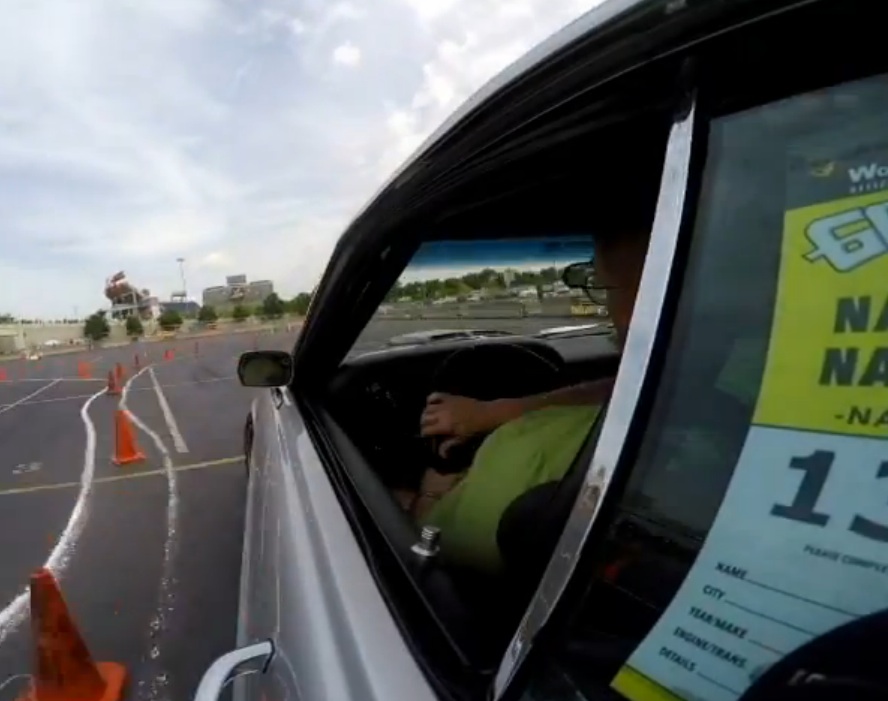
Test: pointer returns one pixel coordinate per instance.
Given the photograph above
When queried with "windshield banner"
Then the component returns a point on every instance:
(800, 543)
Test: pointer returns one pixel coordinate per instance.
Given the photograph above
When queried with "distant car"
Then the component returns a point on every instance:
(726, 508)
(52, 343)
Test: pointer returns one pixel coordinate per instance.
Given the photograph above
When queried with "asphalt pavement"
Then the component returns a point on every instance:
(147, 555)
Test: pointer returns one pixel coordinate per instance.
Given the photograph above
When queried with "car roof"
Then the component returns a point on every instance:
(555, 43)
(610, 17)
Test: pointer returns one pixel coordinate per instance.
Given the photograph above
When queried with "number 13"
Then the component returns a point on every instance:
(816, 468)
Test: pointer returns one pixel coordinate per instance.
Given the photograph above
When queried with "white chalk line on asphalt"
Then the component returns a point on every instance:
(13, 678)
(172, 426)
(50, 379)
(125, 477)
(13, 405)
(171, 385)
(16, 611)
(165, 598)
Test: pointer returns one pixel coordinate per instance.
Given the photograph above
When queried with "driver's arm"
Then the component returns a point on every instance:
(462, 417)
(584, 393)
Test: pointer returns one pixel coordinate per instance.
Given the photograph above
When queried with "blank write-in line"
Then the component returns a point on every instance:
(718, 684)
(766, 647)
(798, 597)
(769, 618)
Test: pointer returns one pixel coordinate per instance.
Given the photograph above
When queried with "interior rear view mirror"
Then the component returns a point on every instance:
(578, 275)
(266, 368)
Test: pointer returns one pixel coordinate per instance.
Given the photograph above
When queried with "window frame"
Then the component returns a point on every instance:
(635, 384)
(395, 246)
(561, 588)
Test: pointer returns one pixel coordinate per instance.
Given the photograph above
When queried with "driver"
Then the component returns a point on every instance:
(531, 440)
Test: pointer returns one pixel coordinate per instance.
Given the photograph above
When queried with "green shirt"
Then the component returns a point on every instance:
(533, 449)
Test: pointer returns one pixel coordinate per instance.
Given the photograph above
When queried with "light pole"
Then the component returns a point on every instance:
(181, 262)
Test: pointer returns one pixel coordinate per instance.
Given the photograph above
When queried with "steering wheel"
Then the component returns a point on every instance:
(490, 371)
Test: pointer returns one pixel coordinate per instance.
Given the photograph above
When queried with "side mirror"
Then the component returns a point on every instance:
(267, 368)
(578, 275)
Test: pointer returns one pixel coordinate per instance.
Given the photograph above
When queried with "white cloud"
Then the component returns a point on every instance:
(217, 260)
(347, 55)
(223, 131)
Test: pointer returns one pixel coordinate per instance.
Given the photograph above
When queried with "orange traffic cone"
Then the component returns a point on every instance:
(84, 370)
(113, 385)
(119, 372)
(126, 451)
(63, 668)
(3, 375)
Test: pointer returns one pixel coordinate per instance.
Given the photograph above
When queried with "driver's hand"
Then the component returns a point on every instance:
(454, 416)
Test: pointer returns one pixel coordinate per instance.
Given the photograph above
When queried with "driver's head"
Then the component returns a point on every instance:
(619, 260)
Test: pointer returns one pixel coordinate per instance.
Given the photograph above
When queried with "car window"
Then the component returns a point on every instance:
(756, 516)
(496, 287)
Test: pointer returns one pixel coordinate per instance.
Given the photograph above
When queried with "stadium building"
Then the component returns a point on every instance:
(128, 300)
(237, 290)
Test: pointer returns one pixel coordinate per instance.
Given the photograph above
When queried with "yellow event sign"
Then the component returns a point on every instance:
(798, 546)
(827, 364)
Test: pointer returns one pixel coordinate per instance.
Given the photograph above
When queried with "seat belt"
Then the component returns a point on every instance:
(532, 524)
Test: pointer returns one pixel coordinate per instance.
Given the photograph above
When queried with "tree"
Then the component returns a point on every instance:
(273, 306)
(96, 327)
(240, 313)
(170, 320)
(299, 304)
(207, 314)
(486, 280)
(134, 327)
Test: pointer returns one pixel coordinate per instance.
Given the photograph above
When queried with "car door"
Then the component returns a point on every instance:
(313, 623)
(263, 455)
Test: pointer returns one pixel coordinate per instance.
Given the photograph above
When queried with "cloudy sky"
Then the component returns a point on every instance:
(241, 135)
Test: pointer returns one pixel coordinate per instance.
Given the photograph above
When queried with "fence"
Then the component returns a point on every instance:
(559, 307)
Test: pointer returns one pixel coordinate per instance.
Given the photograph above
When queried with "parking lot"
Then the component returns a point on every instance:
(148, 555)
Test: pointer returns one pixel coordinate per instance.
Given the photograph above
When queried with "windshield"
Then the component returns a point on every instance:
(495, 287)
